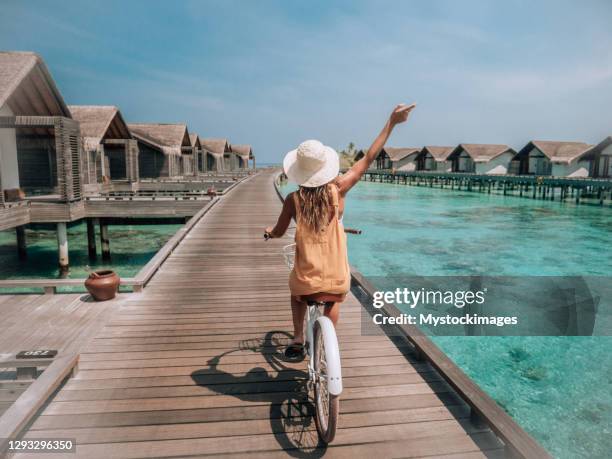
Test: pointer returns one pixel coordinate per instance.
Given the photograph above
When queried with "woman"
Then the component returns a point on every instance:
(321, 270)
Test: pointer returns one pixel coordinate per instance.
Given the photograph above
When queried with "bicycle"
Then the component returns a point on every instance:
(324, 367)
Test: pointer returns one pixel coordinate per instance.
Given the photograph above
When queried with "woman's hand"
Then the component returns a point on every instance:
(347, 181)
(400, 114)
(268, 233)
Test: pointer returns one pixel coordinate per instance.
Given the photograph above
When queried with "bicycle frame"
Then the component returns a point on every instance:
(332, 350)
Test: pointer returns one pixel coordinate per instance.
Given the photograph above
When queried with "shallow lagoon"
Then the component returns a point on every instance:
(557, 388)
(132, 246)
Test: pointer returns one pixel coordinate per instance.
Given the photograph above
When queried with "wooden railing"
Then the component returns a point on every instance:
(539, 179)
(518, 443)
(50, 286)
(21, 412)
(137, 283)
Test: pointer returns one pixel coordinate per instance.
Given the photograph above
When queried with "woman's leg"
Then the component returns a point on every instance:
(298, 311)
(333, 312)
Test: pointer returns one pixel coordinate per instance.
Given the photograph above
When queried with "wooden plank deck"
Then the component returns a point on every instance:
(29, 322)
(193, 365)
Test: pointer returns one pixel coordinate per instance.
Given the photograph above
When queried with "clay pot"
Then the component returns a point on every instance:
(102, 285)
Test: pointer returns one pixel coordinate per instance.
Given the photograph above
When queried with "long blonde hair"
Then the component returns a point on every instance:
(315, 206)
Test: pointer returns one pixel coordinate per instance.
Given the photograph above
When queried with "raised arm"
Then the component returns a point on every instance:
(354, 174)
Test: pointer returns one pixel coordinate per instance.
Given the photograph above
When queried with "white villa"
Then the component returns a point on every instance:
(403, 159)
(600, 158)
(484, 159)
(434, 158)
(559, 159)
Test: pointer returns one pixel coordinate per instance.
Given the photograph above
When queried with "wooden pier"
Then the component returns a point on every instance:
(561, 189)
(193, 366)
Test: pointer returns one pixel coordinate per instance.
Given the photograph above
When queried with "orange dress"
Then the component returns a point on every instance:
(321, 260)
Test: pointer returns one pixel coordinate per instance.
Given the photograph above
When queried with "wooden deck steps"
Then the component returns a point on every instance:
(194, 365)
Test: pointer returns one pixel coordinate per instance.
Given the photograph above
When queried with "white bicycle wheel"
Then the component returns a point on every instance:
(327, 405)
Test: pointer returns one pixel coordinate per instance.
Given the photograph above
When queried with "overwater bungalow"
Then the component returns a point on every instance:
(161, 147)
(40, 143)
(600, 158)
(230, 159)
(244, 153)
(216, 151)
(199, 161)
(41, 176)
(402, 159)
(481, 159)
(559, 159)
(189, 156)
(111, 153)
(434, 158)
(383, 160)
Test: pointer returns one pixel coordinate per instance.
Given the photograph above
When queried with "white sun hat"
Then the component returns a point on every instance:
(311, 164)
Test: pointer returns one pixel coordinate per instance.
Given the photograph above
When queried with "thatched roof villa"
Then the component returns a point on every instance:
(40, 143)
(244, 154)
(398, 158)
(402, 158)
(111, 153)
(198, 160)
(382, 160)
(481, 158)
(434, 158)
(161, 147)
(217, 154)
(560, 159)
(600, 158)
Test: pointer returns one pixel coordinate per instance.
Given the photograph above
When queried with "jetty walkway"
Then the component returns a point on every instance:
(193, 365)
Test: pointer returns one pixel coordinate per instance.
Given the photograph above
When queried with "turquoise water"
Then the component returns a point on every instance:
(558, 388)
(132, 246)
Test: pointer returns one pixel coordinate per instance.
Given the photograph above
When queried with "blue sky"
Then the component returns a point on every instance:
(274, 73)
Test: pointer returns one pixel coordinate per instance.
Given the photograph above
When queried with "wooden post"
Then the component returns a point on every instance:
(21, 242)
(91, 239)
(62, 246)
(578, 193)
(600, 196)
(104, 241)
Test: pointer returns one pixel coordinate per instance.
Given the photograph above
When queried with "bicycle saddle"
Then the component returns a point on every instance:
(322, 298)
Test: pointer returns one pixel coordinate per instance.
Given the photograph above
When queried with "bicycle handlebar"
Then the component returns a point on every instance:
(268, 236)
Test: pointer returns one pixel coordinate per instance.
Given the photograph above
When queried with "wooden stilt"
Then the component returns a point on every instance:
(91, 239)
(21, 242)
(104, 241)
(62, 247)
